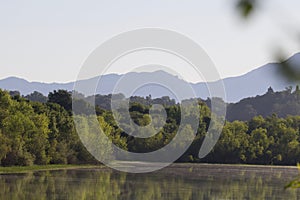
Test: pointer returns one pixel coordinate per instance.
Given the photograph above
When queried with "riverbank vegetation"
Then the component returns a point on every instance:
(35, 168)
(38, 130)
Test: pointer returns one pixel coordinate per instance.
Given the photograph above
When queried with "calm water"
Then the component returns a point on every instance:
(179, 181)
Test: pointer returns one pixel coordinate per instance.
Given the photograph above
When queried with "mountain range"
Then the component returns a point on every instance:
(255, 82)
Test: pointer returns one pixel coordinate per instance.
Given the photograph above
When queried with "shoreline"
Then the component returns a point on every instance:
(241, 165)
(36, 168)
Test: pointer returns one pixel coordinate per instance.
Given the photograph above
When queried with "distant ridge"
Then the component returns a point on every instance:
(255, 82)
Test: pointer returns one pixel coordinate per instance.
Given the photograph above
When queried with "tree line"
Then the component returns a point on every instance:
(40, 130)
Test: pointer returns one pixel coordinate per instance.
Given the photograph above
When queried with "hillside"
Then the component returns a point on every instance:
(253, 83)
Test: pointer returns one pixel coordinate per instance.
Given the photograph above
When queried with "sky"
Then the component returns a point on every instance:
(48, 41)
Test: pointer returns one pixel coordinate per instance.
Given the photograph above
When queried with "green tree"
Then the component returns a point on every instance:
(61, 97)
(36, 97)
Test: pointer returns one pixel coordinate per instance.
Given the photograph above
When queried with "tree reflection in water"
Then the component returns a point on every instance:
(180, 181)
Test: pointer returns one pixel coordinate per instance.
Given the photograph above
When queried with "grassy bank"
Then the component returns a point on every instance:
(25, 169)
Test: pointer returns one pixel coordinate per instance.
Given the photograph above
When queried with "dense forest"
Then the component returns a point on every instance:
(35, 129)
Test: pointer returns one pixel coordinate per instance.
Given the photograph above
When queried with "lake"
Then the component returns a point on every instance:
(178, 181)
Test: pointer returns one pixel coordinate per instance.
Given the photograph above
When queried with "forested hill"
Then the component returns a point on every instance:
(281, 103)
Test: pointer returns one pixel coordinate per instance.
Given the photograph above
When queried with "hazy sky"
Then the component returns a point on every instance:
(49, 40)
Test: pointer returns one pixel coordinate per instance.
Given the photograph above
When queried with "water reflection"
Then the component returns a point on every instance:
(179, 181)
